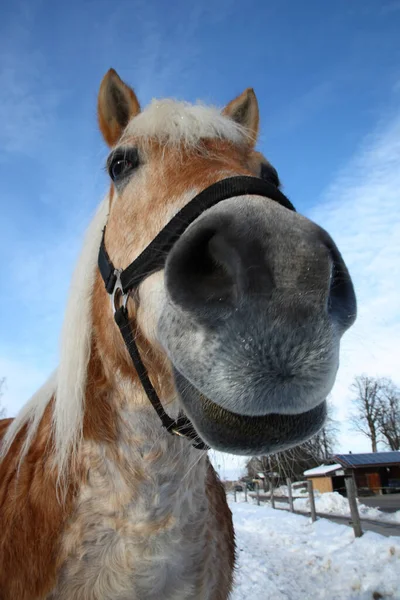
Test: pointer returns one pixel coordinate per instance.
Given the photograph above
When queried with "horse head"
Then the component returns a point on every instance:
(244, 314)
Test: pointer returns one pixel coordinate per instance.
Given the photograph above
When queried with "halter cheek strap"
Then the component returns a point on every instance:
(120, 283)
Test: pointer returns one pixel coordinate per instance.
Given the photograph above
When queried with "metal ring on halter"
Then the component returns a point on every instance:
(118, 298)
(177, 432)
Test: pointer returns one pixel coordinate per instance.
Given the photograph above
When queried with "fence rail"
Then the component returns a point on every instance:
(273, 498)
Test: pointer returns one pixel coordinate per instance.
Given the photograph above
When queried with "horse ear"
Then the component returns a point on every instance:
(244, 111)
(116, 105)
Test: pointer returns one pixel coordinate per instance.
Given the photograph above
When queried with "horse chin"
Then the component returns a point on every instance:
(239, 434)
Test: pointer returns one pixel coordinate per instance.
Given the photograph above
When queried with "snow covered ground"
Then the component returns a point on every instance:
(333, 503)
(282, 556)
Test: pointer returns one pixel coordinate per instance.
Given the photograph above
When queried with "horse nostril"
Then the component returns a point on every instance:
(224, 258)
(218, 264)
(202, 271)
(342, 300)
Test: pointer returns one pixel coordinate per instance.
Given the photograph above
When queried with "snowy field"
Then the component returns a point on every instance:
(282, 556)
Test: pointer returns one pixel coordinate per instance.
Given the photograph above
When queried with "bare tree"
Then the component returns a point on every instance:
(367, 408)
(389, 414)
(2, 409)
(322, 444)
(259, 464)
(288, 463)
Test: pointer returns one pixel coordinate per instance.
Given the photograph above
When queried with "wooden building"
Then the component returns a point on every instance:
(326, 478)
(373, 473)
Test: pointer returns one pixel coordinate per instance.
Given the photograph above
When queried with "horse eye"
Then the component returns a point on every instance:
(119, 168)
(121, 164)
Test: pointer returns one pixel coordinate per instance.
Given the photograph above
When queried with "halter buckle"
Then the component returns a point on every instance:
(177, 432)
(117, 297)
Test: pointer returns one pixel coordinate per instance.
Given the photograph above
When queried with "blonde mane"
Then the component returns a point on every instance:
(67, 384)
(172, 122)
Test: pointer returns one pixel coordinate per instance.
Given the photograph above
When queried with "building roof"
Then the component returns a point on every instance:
(270, 474)
(354, 461)
(321, 470)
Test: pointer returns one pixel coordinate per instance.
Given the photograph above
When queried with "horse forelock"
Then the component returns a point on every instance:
(173, 122)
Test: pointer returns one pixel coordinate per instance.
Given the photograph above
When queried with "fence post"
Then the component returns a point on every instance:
(258, 493)
(289, 487)
(245, 492)
(234, 492)
(312, 501)
(272, 493)
(354, 481)
(351, 497)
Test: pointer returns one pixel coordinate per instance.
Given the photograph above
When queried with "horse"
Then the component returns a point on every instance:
(204, 312)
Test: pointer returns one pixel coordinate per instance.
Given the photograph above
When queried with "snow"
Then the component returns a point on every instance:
(282, 556)
(278, 492)
(322, 470)
(333, 503)
(283, 490)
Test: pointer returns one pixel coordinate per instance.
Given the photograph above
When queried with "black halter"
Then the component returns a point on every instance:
(120, 283)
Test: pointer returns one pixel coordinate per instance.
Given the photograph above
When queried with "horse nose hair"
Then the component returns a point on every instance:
(216, 265)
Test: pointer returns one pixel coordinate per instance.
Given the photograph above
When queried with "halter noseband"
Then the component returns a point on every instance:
(120, 283)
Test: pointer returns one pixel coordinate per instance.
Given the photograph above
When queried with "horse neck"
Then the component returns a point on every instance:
(124, 437)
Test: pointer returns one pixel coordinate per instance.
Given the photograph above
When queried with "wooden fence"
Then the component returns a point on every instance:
(272, 498)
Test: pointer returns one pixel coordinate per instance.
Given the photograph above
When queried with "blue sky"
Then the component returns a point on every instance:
(327, 78)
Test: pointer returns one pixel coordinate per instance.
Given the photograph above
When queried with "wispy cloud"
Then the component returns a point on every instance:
(22, 380)
(361, 211)
(165, 66)
(27, 98)
(50, 188)
(304, 107)
(390, 7)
